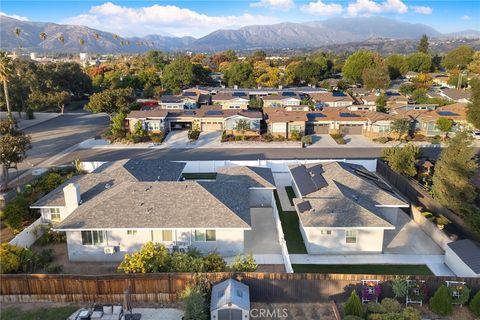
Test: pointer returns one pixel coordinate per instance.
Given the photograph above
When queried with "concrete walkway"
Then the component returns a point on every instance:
(284, 200)
(263, 238)
(24, 123)
(434, 262)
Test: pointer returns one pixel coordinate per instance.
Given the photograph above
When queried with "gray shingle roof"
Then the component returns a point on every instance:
(468, 251)
(186, 204)
(253, 176)
(230, 292)
(341, 195)
(113, 173)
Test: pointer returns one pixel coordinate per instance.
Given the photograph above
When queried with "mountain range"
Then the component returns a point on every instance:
(287, 35)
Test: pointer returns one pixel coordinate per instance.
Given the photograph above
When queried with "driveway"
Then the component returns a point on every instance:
(263, 238)
(322, 141)
(178, 139)
(209, 140)
(408, 238)
(359, 140)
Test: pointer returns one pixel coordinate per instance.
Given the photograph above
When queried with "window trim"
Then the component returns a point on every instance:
(205, 231)
(104, 237)
(347, 236)
(161, 232)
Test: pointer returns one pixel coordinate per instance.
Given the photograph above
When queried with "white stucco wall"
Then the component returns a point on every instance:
(46, 215)
(457, 265)
(368, 240)
(229, 242)
(390, 214)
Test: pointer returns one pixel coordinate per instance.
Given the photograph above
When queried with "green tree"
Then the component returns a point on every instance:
(445, 125)
(151, 258)
(458, 58)
(240, 74)
(245, 264)
(13, 150)
(242, 125)
(423, 45)
(356, 63)
(406, 89)
(138, 130)
(473, 109)
(178, 74)
(11, 258)
(475, 304)
(16, 213)
(400, 126)
(381, 103)
(402, 160)
(117, 127)
(376, 77)
(453, 172)
(110, 101)
(441, 302)
(310, 72)
(213, 262)
(194, 304)
(5, 74)
(397, 66)
(353, 306)
(419, 62)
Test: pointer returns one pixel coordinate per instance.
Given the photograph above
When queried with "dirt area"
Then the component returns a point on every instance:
(5, 234)
(271, 268)
(60, 257)
(459, 313)
(306, 311)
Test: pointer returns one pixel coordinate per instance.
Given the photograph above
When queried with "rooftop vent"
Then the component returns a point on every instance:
(108, 186)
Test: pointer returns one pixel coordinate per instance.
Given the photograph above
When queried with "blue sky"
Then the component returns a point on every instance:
(199, 17)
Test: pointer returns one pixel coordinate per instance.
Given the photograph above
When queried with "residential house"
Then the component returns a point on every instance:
(425, 123)
(414, 107)
(336, 120)
(359, 92)
(378, 125)
(343, 208)
(332, 99)
(463, 258)
(231, 100)
(281, 122)
(201, 97)
(457, 95)
(152, 120)
(115, 210)
(285, 99)
(439, 79)
(189, 100)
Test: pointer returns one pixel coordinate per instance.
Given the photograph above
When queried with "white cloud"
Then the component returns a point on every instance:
(422, 10)
(274, 4)
(160, 19)
(466, 18)
(367, 7)
(14, 16)
(322, 9)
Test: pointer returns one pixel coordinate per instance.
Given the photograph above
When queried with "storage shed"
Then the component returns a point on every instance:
(230, 301)
(463, 258)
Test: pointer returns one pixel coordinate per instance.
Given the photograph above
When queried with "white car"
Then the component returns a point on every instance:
(476, 134)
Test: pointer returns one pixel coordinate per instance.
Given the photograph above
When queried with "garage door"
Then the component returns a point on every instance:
(212, 126)
(351, 128)
(321, 128)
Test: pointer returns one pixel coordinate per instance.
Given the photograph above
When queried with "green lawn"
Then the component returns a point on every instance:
(200, 176)
(290, 194)
(290, 226)
(60, 313)
(363, 269)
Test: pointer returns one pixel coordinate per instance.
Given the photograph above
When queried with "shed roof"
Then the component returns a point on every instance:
(230, 292)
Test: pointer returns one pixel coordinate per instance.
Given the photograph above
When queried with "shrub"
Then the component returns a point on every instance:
(464, 294)
(194, 304)
(238, 138)
(410, 313)
(10, 260)
(50, 181)
(354, 306)
(152, 257)
(267, 137)
(213, 262)
(295, 135)
(54, 268)
(44, 258)
(183, 262)
(338, 137)
(399, 286)
(245, 264)
(193, 134)
(434, 140)
(382, 140)
(441, 302)
(475, 304)
(157, 137)
(16, 212)
(307, 140)
(50, 236)
(138, 130)
(279, 138)
(391, 305)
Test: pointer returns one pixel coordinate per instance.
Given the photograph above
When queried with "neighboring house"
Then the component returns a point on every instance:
(172, 102)
(414, 107)
(332, 99)
(457, 95)
(152, 120)
(201, 97)
(393, 100)
(411, 74)
(439, 79)
(114, 210)
(336, 120)
(230, 301)
(281, 122)
(378, 125)
(231, 100)
(360, 92)
(425, 123)
(463, 258)
(285, 99)
(343, 208)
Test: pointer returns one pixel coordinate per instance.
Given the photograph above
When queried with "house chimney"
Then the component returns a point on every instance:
(72, 196)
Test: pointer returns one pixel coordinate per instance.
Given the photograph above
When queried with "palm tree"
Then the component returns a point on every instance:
(82, 42)
(115, 37)
(61, 38)
(5, 73)
(18, 32)
(43, 37)
(96, 35)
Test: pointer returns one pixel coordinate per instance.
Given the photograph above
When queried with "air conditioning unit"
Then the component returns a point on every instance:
(109, 250)
(183, 248)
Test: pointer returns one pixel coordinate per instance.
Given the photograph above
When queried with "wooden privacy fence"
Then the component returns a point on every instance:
(166, 287)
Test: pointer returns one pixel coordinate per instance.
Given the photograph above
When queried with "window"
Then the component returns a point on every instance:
(325, 232)
(351, 236)
(55, 214)
(131, 232)
(162, 235)
(205, 235)
(93, 237)
(153, 126)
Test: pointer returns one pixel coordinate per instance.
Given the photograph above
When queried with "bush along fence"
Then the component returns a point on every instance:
(420, 197)
(166, 287)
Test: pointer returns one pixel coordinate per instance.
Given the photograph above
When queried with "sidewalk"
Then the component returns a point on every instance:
(23, 123)
(434, 262)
